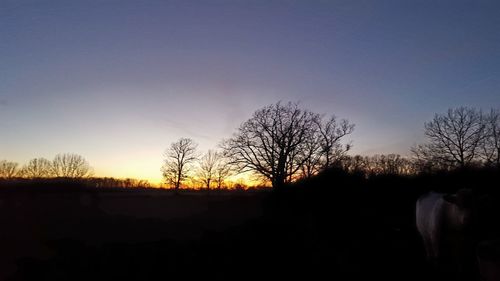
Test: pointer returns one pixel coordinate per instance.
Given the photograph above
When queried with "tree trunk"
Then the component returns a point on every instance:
(278, 182)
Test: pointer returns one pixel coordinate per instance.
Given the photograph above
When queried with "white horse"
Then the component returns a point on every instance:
(442, 221)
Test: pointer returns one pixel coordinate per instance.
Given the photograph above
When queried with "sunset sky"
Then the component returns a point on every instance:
(118, 81)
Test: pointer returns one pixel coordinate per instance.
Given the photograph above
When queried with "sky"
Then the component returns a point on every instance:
(118, 81)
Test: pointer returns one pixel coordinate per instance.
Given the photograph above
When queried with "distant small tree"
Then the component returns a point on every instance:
(178, 159)
(36, 168)
(240, 186)
(207, 170)
(8, 169)
(390, 164)
(223, 170)
(356, 164)
(379, 164)
(134, 183)
(70, 165)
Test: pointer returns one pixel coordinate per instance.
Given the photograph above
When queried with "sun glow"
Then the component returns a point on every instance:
(155, 179)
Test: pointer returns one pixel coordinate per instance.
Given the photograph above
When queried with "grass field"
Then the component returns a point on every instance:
(342, 229)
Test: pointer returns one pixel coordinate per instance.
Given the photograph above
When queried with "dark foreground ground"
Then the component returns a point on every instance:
(336, 227)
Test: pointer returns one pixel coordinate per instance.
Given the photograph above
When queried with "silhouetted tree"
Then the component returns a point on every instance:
(207, 170)
(278, 141)
(267, 143)
(70, 165)
(213, 168)
(454, 138)
(36, 168)
(8, 169)
(331, 132)
(325, 149)
(379, 164)
(389, 164)
(120, 183)
(179, 157)
(222, 171)
(490, 148)
(356, 164)
(312, 156)
(131, 183)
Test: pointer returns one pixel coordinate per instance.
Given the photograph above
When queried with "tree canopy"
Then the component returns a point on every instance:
(279, 140)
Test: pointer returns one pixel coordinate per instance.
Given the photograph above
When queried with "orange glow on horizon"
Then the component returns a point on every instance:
(244, 179)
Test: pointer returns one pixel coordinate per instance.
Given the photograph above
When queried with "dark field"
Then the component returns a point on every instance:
(335, 227)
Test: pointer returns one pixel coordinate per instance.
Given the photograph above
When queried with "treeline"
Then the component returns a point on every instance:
(64, 165)
(66, 169)
(65, 183)
(380, 164)
(462, 138)
(282, 143)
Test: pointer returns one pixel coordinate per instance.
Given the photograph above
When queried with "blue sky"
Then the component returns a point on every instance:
(118, 81)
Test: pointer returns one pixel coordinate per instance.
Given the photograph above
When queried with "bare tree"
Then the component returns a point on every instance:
(454, 138)
(207, 170)
(133, 183)
(312, 155)
(390, 164)
(491, 144)
(324, 148)
(178, 159)
(118, 183)
(213, 168)
(356, 164)
(8, 169)
(223, 170)
(70, 166)
(379, 164)
(331, 132)
(169, 173)
(275, 143)
(425, 160)
(36, 168)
